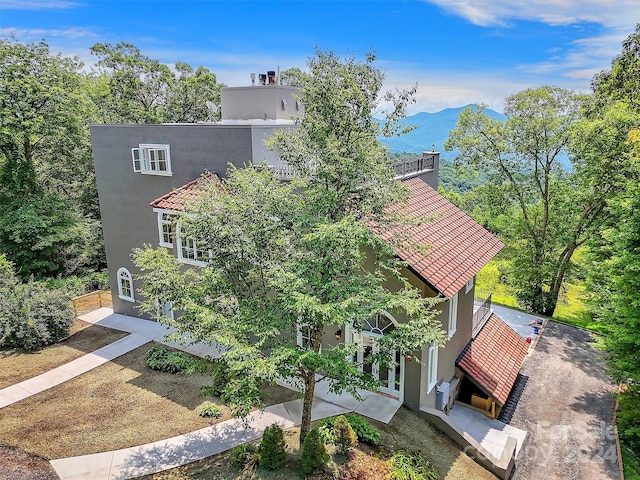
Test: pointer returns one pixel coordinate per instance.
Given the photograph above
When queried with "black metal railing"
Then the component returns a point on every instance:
(481, 312)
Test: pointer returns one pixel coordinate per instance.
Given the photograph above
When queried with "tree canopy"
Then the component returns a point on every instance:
(294, 260)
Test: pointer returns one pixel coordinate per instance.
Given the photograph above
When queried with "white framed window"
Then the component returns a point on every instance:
(190, 252)
(305, 337)
(432, 369)
(125, 285)
(151, 159)
(453, 315)
(470, 284)
(165, 227)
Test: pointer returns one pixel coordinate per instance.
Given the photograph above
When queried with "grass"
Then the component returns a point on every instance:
(570, 309)
(406, 432)
(120, 404)
(630, 463)
(17, 365)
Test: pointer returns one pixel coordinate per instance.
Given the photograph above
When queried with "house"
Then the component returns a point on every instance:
(146, 172)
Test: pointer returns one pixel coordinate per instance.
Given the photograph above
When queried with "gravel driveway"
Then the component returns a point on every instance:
(567, 408)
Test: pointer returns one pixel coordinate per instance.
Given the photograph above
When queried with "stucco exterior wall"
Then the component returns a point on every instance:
(263, 102)
(127, 219)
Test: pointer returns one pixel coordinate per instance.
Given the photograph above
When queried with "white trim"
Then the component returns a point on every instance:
(148, 158)
(432, 368)
(161, 222)
(124, 277)
(181, 248)
(470, 284)
(453, 316)
(363, 337)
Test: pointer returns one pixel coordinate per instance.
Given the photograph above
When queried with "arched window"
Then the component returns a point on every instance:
(379, 324)
(125, 285)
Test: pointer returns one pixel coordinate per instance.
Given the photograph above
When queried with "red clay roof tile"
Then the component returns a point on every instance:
(459, 246)
(176, 199)
(493, 358)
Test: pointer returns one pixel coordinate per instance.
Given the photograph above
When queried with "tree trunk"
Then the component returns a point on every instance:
(309, 390)
(564, 260)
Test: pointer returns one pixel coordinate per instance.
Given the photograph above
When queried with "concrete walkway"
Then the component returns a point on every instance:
(519, 321)
(169, 453)
(65, 372)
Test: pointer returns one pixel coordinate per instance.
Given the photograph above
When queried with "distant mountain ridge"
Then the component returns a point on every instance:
(432, 130)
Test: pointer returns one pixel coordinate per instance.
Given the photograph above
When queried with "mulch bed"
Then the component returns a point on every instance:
(16, 464)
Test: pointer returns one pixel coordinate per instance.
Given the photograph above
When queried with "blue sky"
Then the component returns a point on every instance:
(457, 51)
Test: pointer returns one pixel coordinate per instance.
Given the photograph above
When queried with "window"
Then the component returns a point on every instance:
(453, 315)
(165, 228)
(125, 285)
(432, 373)
(151, 159)
(470, 284)
(305, 337)
(189, 251)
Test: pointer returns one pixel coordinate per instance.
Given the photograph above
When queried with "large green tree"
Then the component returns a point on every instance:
(549, 210)
(131, 87)
(47, 186)
(300, 257)
(614, 269)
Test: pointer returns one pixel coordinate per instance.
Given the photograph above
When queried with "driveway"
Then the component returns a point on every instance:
(567, 407)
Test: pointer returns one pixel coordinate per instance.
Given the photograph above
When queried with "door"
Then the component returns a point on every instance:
(392, 378)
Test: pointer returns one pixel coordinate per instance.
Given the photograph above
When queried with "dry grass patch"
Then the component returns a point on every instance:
(406, 432)
(17, 365)
(120, 404)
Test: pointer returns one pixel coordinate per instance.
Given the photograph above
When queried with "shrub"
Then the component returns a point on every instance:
(220, 379)
(326, 430)
(410, 466)
(365, 432)
(245, 458)
(314, 453)
(210, 410)
(31, 315)
(272, 448)
(163, 359)
(344, 434)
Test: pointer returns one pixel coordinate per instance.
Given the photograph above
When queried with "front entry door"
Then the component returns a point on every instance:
(392, 378)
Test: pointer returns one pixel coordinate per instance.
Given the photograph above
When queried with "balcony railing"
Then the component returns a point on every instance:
(415, 166)
(481, 313)
(403, 168)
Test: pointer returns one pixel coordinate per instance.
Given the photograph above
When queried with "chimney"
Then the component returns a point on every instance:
(253, 79)
(272, 77)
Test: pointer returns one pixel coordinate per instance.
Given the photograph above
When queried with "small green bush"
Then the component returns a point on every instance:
(365, 432)
(219, 379)
(326, 431)
(314, 453)
(272, 448)
(210, 411)
(411, 466)
(245, 458)
(162, 359)
(344, 434)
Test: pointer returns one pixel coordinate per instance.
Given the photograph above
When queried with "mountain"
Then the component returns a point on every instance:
(431, 129)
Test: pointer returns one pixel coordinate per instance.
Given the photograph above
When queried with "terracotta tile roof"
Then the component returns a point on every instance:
(176, 199)
(493, 358)
(458, 246)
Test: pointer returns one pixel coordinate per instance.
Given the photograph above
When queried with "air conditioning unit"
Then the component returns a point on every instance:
(442, 395)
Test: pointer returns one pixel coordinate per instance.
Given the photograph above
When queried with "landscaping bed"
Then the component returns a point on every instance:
(406, 432)
(120, 404)
(17, 365)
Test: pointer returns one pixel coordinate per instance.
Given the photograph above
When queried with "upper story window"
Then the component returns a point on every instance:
(453, 315)
(190, 252)
(165, 227)
(151, 159)
(125, 285)
(470, 284)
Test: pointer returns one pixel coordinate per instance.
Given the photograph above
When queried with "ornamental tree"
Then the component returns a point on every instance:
(298, 257)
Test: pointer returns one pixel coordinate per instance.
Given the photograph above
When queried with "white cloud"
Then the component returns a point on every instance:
(39, 4)
(31, 34)
(552, 12)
